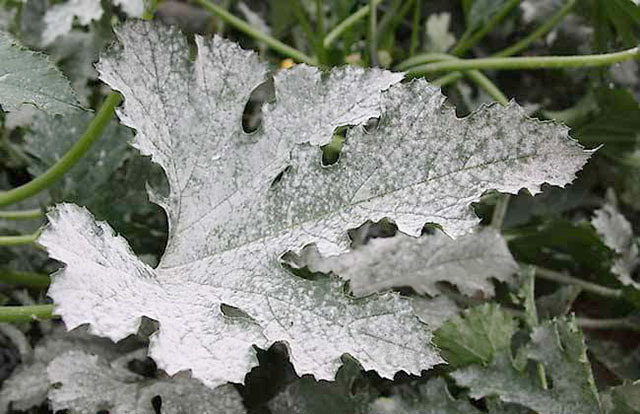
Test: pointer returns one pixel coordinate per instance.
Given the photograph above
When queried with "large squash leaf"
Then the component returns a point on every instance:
(238, 202)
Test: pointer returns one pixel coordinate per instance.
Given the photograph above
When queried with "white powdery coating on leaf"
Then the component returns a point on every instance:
(133, 8)
(230, 220)
(617, 234)
(468, 262)
(87, 383)
(58, 20)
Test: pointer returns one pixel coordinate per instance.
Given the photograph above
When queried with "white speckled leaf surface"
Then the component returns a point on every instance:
(468, 262)
(87, 383)
(617, 234)
(58, 20)
(230, 220)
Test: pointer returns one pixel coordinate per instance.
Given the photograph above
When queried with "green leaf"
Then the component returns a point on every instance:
(624, 399)
(238, 202)
(559, 346)
(28, 77)
(475, 336)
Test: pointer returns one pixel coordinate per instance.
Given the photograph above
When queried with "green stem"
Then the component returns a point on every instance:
(57, 170)
(571, 280)
(19, 240)
(475, 75)
(488, 86)
(415, 27)
(539, 32)
(467, 43)
(251, 31)
(538, 62)
(509, 51)
(343, 26)
(28, 279)
(35, 213)
(373, 34)
(25, 313)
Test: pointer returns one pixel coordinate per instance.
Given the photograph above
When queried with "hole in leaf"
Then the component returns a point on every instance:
(233, 312)
(331, 151)
(371, 125)
(145, 367)
(297, 264)
(156, 403)
(372, 230)
(252, 114)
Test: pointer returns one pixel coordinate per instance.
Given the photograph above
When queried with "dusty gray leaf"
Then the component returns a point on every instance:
(559, 346)
(617, 234)
(434, 311)
(58, 20)
(468, 262)
(28, 384)
(85, 384)
(28, 77)
(230, 222)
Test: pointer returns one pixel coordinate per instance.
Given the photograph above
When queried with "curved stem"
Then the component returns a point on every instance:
(509, 51)
(347, 23)
(467, 43)
(539, 32)
(19, 240)
(251, 31)
(571, 280)
(35, 213)
(538, 62)
(64, 164)
(488, 86)
(28, 279)
(476, 76)
(25, 313)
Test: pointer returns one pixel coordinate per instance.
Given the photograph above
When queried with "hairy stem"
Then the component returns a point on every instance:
(347, 23)
(35, 213)
(251, 31)
(538, 62)
(28, 279)
(25, 313)
(57, 170)
(571, 280)
(467, 42)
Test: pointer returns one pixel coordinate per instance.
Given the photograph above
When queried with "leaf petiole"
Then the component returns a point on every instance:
(537, 62)
(35, 213)
(57, 170)
(25, 313)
